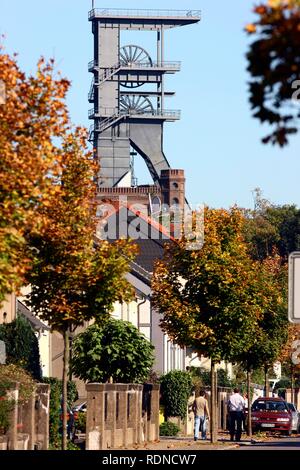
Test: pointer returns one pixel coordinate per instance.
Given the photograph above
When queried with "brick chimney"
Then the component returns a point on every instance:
(172, 184)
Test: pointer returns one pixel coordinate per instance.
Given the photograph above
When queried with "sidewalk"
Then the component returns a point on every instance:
(188, 443)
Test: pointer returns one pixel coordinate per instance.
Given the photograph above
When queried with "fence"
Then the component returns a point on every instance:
(119, 415)
(29, 422)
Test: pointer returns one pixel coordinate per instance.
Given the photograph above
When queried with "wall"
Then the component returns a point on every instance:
(29, 421)
(120, 415)
(8, 309)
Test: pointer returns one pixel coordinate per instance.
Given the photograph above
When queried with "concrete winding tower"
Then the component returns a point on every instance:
(128, 95)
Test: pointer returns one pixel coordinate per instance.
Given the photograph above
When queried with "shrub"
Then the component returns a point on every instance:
(176, 388)
(22, 346)
(114, 349)
(80, 424)
(10, 374)
(168, 429)
(55, 407)
(54, 415)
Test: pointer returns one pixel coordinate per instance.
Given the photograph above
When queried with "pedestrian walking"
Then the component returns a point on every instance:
(236, 407)
(201, 414)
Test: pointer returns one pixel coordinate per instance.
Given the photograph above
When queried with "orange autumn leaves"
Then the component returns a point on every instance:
(74, 279)
(216, 299)
(33, 120)
(270, 8)
(47, 200)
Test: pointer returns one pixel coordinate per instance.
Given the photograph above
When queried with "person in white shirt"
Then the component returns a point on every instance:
(236, 406)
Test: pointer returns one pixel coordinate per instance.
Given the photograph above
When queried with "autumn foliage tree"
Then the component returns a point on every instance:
(209, 298)
(272, 324)
(33, 117)
(274, 66)
(74, 277)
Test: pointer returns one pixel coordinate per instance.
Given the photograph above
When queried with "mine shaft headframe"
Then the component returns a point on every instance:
(126, 113)
(145, 19)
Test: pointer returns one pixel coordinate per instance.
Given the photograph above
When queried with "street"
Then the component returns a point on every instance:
(287, 443)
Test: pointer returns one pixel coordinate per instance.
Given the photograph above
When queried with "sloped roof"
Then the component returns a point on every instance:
(151, 242)
(36, 323)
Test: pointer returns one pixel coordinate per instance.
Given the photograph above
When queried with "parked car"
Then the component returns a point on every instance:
(271, 414)
(79, 407)
(295, 417)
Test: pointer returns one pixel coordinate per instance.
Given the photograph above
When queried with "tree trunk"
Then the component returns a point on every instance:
(267, 385)
(65, 388)
(213, 427)
(249, 403)
(70, 356)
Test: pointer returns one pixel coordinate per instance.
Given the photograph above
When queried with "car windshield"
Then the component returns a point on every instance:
(291, 407)
(269, 406)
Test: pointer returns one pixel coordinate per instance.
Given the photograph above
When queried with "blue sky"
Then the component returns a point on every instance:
(217, 141)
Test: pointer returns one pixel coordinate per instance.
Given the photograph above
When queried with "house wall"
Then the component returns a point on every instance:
(136, 312)
(8, 309)
(45, 350)
(192, 360)
(44, 338)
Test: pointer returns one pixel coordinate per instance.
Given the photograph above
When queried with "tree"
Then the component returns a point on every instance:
(272, 228)
(22, 347)
(274, 66)
(74, 277)
(209, 298)
(32, 121)
(113, 350)
(272, 325)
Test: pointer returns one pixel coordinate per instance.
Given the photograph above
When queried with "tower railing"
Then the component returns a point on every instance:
(93, 64)
(116, 12)
(113, 113)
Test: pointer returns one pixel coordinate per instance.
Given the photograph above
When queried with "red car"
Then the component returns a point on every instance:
(271, 414)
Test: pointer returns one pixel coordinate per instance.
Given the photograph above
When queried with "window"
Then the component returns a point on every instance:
(263, 405)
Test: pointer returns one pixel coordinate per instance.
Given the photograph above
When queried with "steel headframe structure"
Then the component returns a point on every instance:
(126, 115)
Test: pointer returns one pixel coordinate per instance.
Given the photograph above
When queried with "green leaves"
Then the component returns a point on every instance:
(22, 346)
(215, 311)
(176, 388)
(228, 305)
(113, 348)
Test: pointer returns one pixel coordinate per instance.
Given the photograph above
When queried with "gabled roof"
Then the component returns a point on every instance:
(35, 322)
(151, 241)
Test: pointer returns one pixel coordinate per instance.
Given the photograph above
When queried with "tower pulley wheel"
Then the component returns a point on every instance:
(131, 55)
(135, 104)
